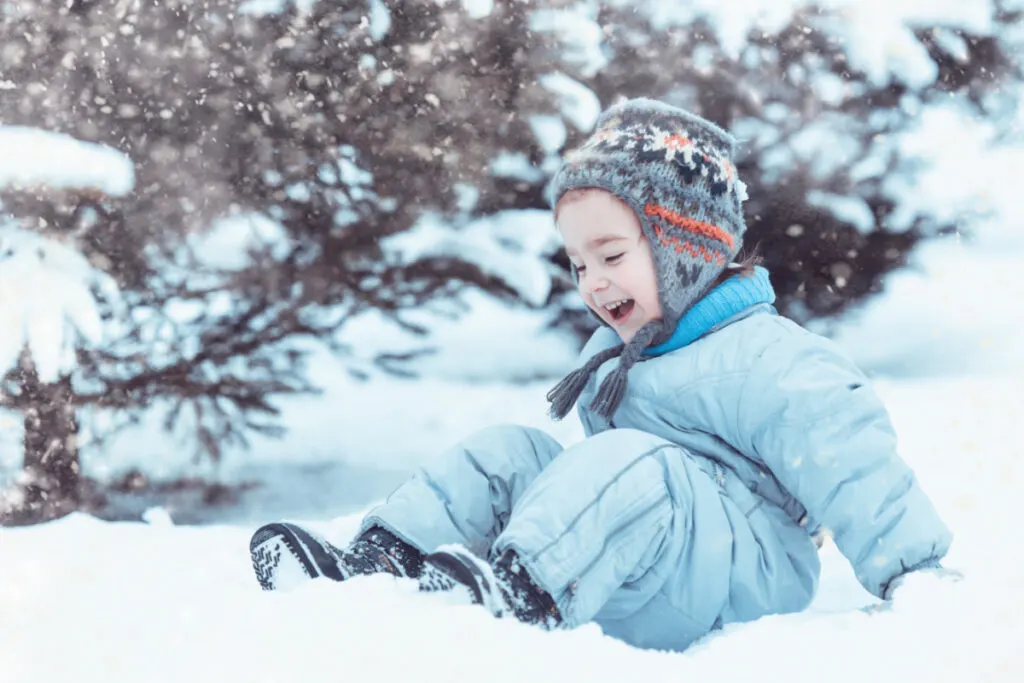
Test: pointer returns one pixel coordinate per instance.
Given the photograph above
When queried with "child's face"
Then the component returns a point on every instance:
(613, 259)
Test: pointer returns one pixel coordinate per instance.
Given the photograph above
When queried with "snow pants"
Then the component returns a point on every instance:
(657, 545)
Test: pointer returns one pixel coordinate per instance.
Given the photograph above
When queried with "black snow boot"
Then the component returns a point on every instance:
(502, 587)
(285, 555)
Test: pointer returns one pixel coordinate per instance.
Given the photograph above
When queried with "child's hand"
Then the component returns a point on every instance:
(921, 576)
(924, 582)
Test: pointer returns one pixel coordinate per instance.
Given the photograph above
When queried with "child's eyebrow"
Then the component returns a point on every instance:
(598, 241)
(603, 239)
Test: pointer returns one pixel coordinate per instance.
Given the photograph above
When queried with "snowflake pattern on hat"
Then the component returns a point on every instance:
(686, 153)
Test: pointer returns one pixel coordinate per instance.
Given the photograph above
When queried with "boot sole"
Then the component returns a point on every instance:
(303, 546)
(467, 571)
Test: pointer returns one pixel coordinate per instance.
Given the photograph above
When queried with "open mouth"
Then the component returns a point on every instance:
(620, 310)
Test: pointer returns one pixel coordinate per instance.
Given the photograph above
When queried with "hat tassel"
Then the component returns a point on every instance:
(563, 396)
(609, 394)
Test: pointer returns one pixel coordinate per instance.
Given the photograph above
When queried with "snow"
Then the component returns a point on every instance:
(823, 146)
(379, 20)
(379, 427)
(830, 88)
(578, 103)
(457, 350)
(955, 167)
(953, 44)
(46, 302)
(950, 313)
(963, 175)
(478, 9)
(881, 49)
(228, 243)
(577, 30)
(155, 602)
(515, 165)
(878, 34)
(505, 245)
(34, 159)
(263, 7)
(851, 209)
(731, 23)
(550, 132)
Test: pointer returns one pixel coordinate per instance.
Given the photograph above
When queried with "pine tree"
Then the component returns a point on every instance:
(333, 132)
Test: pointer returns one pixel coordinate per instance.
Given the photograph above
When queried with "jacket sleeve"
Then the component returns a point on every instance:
(811, 415)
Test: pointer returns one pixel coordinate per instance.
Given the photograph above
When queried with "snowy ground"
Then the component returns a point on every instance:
(84, 600)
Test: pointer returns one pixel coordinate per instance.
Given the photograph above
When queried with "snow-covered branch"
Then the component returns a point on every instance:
(40, 161)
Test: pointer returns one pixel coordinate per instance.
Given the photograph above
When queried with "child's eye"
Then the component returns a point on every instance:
(610, 260)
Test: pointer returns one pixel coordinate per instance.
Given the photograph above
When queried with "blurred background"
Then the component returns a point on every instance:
(260, 259)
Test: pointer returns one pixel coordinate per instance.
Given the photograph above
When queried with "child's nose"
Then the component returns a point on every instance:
(596, 283)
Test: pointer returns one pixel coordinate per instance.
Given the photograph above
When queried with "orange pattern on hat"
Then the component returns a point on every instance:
(697, 252)
(676, 141)
(691, 224)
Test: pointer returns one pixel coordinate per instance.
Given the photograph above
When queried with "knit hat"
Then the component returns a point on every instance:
(676, 171)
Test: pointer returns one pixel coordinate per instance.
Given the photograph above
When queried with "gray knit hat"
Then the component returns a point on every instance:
(676, 171)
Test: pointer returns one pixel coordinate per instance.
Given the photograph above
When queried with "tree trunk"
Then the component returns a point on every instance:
(50, 485)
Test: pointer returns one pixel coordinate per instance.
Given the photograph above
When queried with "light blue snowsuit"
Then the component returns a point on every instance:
(696, 507)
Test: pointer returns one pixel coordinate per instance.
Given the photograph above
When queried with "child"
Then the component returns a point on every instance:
(694, 500)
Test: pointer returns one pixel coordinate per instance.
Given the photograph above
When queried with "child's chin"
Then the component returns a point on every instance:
(625, 335)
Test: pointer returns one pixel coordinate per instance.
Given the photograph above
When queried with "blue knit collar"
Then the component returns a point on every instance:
(725, 301)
